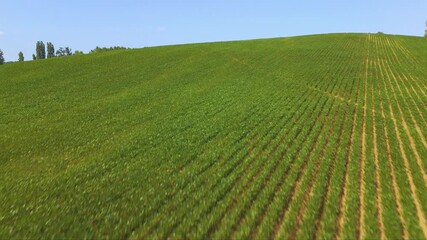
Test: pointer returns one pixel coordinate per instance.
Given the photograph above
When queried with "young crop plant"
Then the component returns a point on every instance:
(310, 137)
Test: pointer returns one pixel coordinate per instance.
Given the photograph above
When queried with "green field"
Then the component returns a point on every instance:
(321, 136)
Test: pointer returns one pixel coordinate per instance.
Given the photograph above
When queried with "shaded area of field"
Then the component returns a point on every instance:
(321, 136)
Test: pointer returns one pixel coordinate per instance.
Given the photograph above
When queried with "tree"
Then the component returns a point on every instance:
(77, 52)
(40, 50)
(1, 57)
(20, 57)
(425, 32)
(64, 52)
(105, 49)
(34, 57)
(68, 51)
(50, 50)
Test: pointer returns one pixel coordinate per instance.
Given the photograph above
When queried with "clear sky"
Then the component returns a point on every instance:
(85, 24)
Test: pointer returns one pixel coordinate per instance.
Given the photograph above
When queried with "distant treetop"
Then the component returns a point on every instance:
(104, 49)
(40, 50)
(1, 57)
(64, 52)
(20, 57)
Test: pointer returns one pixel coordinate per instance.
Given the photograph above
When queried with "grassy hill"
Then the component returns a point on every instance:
(321, 136)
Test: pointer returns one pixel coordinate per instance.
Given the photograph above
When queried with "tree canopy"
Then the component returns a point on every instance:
(50, 50)
(20, 57)
(64, 52)
(40, 50)
(1, 57)
(105, 49)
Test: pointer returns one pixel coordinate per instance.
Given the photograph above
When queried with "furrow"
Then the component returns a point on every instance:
(378, 189)
(420, 212)
(345, 180)
(421, 113)
(308, 191)
(405, 125)
(163, 203)
(226, 174)
(231, 206)
(226, 193)
(327, 191)
(320, 221)
(417, 128)
(297, 180)
(277, 226)
(283, 177)
(312, 232)
(396, 192)
(412, 186)
(360, 231)
(243, 214)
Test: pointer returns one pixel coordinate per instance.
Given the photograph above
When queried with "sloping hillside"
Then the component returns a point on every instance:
(317, 136)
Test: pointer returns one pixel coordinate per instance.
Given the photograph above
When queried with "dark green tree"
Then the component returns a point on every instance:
(20, 57)
(40, 50)
(68, 51)
(64, 52)
(105, 49)
(50, 50)
(1, 57)
(34, 57)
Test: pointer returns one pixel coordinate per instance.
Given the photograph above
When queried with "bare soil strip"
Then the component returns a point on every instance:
(308, 191)
(343, 193)
(378, 189)
(417, 96)
(271, 172)
(361, 225)
(396, 192)
(320, 213)
(417, 81)
(411, 60)
(399, 79)
(330, 171)
(398, 198)
(405, 126)
(408, 54)
(281, 217)
(253, 141)
(284, 174)
(420, 212)
(282, 179)
(344, 187)
(247, 168)
(415, 124)
(394, 55)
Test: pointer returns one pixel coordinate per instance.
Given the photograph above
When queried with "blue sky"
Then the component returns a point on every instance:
(85, 24)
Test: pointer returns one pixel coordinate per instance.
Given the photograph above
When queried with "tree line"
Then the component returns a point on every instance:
(41, 50)
(48, 51)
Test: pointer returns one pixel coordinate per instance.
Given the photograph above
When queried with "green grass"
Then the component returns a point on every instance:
(250, 139)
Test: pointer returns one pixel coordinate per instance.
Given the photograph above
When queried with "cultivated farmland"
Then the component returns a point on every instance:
(320, 136)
